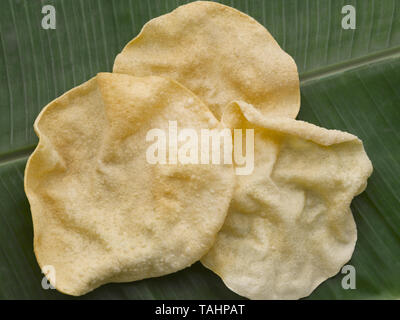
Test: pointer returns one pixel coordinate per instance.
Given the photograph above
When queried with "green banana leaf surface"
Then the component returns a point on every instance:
(350, 80)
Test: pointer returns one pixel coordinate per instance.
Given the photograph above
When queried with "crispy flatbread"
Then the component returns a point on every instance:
(219, 53)
(289, 225)
(101, 212)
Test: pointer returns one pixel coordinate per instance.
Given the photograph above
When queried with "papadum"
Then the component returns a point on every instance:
(101, 212)
(219, 53)
(289, 225)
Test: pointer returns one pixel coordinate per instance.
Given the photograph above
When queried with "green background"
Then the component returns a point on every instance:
(350, 80)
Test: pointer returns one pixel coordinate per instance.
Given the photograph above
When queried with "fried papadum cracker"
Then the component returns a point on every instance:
(219, 53)
(289, 225)
(101, 212)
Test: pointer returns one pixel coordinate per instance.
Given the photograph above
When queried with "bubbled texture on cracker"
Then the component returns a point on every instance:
(101, 212)
(289, 225)
(220, 54)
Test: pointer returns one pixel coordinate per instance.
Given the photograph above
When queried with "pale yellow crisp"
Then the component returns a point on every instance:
(289, 225)
(101, 212)
(220, 54)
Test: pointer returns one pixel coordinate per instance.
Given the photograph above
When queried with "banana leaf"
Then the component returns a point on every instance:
(350, 80)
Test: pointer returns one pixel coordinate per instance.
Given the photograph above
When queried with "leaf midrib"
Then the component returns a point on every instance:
(16, 155)
(305, 79)
(352, 64)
